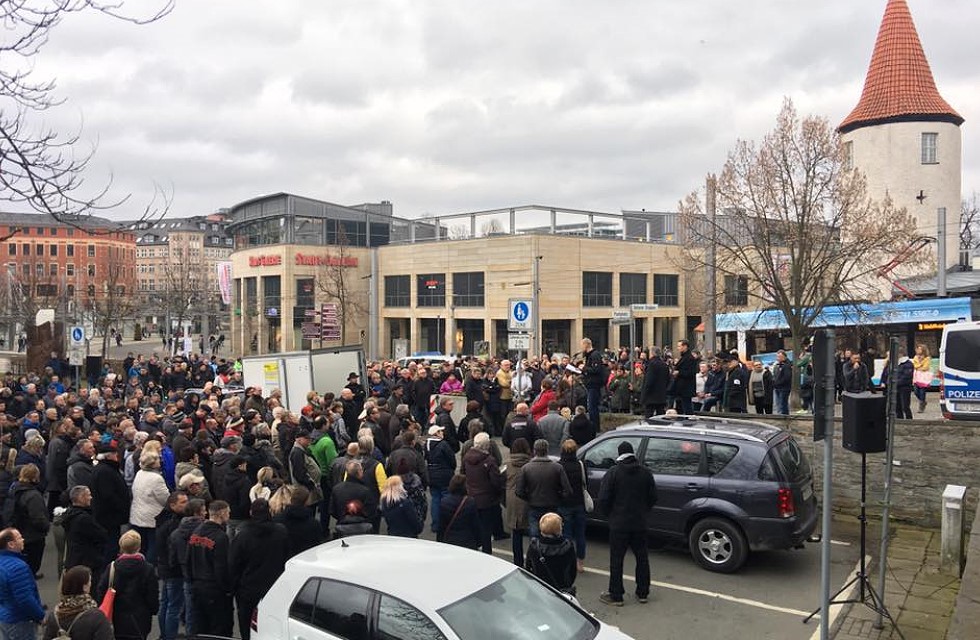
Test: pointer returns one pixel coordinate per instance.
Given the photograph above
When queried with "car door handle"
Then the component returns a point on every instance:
(693, 486)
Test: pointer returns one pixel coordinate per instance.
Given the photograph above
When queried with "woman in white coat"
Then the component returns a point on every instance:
(150, 494)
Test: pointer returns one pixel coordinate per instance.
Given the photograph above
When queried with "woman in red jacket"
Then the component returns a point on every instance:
(540, 407)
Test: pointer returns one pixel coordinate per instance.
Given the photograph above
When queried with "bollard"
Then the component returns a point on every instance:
(951, 558)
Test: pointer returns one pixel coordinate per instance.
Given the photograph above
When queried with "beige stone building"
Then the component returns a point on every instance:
(445, 284)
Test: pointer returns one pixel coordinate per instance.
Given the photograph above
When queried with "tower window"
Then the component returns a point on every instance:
(848, 155)
(930, 154)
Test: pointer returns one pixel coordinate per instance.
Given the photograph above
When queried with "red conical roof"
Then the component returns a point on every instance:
(899, 85)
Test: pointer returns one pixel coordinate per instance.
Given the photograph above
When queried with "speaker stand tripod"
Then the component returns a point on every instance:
(867, 595)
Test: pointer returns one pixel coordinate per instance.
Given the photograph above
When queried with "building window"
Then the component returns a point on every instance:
(468, 289)
(25, 249)
(91, 251)
(47, 290)
(736, 291)
(39, 269)
(27, 271)
(272, 288)
(90, 291)
(53, 269)
(71, 290)
(39, 249)
(848, 155)
(596, 289)
(70, 269)
(12, 249)
(53, 249)
(91, 271)
(398, 291)
(632, 289)
(431, 289)
(930, 153)
(70, 250)
(665, 289)
(305, 293)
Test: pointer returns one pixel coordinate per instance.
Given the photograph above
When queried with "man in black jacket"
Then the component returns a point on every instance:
(111, 498)
(714, 387)
(685, 385)
(353, 489)
(172, 591)
(258, 558)
(85, 539)
(207, 560)
(626, 496)
(655, 381)
(179, 556)
(782, 383)
(235, 493)
(542, 483)
(593, 380)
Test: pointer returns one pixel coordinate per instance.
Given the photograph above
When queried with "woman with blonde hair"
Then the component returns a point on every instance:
(399, 511)
(265, 484)
(922, 374)
(150, 495)
(137, 589)
(280, 499)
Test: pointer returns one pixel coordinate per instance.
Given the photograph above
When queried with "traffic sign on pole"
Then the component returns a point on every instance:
(622, 316)
(76, 336)
(520, 315)
(639, 308)
(518, 341)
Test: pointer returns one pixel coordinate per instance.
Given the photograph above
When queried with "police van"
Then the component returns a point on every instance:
(959, 371)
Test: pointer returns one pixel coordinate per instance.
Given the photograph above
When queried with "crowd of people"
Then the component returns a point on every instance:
(187, 495)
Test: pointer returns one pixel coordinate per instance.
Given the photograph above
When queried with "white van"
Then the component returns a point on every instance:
(959, 371)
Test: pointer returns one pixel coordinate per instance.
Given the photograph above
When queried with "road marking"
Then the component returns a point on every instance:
(693, 591)
(841, 543)
(836, 609)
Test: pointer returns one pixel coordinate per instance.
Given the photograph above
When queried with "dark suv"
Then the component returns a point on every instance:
(724, 486)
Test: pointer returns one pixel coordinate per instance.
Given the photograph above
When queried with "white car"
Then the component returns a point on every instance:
(388, 588)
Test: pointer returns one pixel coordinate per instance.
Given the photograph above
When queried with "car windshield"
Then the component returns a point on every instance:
(793, 461)
(518, 607)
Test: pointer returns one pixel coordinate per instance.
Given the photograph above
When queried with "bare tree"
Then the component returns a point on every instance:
(334, 280)
(114, 302)
(970, 224)
(797, 223)
(182, 290)
(491, 227)
(43, 169)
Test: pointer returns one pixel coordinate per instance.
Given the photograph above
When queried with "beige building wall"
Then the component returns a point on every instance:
(890, 156)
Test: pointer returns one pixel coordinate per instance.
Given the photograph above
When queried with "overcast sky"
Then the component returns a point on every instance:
(459, 105)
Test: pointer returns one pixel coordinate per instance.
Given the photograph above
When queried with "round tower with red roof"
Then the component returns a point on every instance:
(902, 134)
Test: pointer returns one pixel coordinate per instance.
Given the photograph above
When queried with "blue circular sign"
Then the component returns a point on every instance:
(77, 334)
(521, 311)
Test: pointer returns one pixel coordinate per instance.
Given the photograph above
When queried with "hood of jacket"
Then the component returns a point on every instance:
(518, 460)
(73, 513)
(475, 456)
(295, 513)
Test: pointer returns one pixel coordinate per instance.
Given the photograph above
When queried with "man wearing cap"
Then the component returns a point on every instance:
(303, 469)
(626, 496)
(111, 497)
(442, 466)
(357, 390)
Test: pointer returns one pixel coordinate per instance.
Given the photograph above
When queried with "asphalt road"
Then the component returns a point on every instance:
(766, 599)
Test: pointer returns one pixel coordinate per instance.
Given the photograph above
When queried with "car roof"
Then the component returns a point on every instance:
(732, 428)
(432, 574)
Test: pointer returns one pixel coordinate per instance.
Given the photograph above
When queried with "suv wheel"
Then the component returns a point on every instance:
(718, 545)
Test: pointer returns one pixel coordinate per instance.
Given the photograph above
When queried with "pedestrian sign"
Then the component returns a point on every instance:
(520, 316)
(77, 336)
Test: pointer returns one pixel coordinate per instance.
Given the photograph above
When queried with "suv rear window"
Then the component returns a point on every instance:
(791, 458)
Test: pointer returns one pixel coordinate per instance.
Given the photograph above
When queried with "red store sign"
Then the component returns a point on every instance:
(264, 261)
(320, 261)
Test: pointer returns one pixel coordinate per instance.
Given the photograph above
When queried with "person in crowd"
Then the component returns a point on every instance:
(303, 469)
(554, 428)
(857, 379)
(486, 485)
(735, 400)
(459, 520)
(169, 571)
(541, 404)
(33, 453)
(77, 614)
(194, 514)
(20, 604)
(685, 368)
(352, 490)
(81, 464)
(85, 539)
(573, 506)
(760, 389)
(516, 516)
(236, 493)
(543, 484)
(27, 512)
(59, 450)
(520, 425)
(594, 379)
(904, 378)
(208, 565)
(258, 557)
(266, 483)
(626, 496)
(150, 496)
(782, 383)
(441, 466)
(922, 374)
(551, 556)
(400, 515)
(580, 428)
(444, 418)
(137, 590)
(111, 498)
(304, 530)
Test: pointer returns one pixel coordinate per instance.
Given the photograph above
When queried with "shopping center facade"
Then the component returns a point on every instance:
(443, 284)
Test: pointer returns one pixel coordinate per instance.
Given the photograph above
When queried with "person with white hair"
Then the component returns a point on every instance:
(150, 495)
(486, 485)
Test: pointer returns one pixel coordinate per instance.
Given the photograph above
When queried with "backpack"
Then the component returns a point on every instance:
(9, 511)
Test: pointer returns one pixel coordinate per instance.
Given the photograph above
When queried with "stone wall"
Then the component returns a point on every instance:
(928, 456)
(966, 614)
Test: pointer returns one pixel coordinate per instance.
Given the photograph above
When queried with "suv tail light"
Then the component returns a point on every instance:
(784, 503)
(255, 620)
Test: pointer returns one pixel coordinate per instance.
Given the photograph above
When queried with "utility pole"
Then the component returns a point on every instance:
(535, 306)
(711, 299)
(941, 254)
